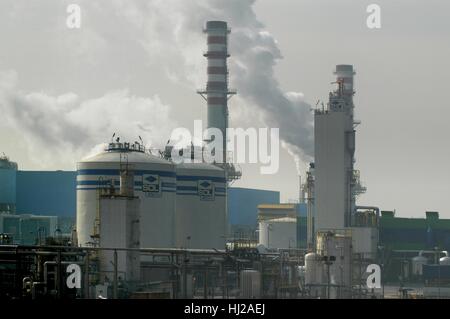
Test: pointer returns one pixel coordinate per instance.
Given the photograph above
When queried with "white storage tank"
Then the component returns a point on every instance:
(278, 232)
(201, 210)
(154, 184)
(417, 264)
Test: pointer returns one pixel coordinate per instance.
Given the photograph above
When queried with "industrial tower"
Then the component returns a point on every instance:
(217, 92)
(334, 133)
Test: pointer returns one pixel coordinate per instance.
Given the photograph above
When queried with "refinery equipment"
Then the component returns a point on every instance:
(307, 194)
(330, 191)
(314, 274)
(119, 228)
(334, 146)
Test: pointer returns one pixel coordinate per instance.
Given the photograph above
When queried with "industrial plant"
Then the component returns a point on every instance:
(131, 223)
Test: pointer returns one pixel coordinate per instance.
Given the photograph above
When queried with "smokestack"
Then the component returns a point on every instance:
(217, 92)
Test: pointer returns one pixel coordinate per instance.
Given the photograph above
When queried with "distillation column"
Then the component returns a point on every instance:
(334, 155)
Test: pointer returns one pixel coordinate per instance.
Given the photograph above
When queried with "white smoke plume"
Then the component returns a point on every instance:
(169, 32)
(172, 28)
(61, 129)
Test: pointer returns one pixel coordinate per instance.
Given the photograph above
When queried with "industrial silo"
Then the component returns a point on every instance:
(154, 184)
(8, 175)
(201, 211)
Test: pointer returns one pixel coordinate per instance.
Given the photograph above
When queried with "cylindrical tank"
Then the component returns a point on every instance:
(417, 264)
(8, 173)
(445, 260)
(313, 269)
(154, 184)
(201, 210)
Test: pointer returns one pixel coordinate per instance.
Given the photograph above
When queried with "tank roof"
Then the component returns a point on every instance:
(125, 156)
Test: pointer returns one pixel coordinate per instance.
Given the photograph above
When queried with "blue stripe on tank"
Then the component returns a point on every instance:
(113, 172)
(196, 178)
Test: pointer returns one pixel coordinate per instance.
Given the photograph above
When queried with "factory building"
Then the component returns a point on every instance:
(400, 233)
(28, 229)
(46, 193)
(243, 208)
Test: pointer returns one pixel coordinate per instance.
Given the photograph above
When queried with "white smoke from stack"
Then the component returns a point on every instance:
(172, 29)
(170, 33)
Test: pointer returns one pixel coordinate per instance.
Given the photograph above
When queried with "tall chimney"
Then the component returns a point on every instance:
(217, 92)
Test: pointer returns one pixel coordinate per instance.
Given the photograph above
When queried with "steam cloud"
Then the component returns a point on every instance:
(174, 29)
(61, 129)
(169, 33)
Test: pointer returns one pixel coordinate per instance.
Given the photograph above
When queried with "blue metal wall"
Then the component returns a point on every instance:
(243, 203)
(7, 186)
(46, 193)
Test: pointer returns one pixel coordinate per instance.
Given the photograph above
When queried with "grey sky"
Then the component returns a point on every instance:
(401, 83)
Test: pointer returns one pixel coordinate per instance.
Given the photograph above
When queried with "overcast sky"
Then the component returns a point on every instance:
(133, 67)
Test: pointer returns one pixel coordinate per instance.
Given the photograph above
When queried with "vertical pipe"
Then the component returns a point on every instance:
(59, 275)
(115, 275)
(86, 276)
(205, 285)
